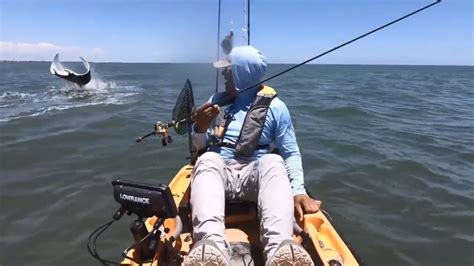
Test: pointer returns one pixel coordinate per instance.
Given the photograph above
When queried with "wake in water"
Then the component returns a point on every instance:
(94, 88)
(35, 101)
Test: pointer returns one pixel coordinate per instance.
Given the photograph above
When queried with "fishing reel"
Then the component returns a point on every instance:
(181, 117)
(161, 129)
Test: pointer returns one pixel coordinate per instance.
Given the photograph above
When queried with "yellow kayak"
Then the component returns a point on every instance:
(318, 235)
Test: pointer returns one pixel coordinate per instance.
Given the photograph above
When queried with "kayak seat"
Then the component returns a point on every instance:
(235, 212)
(240, 211)
(241, 221)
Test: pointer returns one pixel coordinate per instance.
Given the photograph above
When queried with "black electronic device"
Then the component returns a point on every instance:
(145, 200)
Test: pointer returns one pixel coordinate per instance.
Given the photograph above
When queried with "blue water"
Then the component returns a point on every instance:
(388, 149)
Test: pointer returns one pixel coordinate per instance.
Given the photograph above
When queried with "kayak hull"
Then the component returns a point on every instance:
(319, 238)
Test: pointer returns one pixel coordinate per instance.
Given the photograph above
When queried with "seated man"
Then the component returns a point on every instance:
(239, 165)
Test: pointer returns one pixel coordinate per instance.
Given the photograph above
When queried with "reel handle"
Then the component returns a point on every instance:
(138, 140)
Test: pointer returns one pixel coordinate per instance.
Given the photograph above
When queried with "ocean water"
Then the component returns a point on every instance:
(388, 149)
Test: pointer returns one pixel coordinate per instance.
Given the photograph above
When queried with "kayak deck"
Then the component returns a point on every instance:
(322, 242)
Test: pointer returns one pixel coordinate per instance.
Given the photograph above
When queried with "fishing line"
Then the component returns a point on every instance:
(188, 117)
(248, 22)
(337, 47)
(218, 40)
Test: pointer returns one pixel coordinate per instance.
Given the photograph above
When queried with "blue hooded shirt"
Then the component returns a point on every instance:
(248, 68)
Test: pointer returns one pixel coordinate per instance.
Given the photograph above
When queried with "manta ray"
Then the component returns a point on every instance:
(81, 79)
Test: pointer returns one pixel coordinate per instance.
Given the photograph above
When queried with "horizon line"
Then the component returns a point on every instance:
(277, 63)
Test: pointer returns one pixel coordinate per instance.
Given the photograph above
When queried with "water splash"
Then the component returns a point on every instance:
(53, 98)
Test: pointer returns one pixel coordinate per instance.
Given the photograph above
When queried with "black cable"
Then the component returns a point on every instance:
(157, 224)
(94, 241)
(93, 251)
(134, 245)
(95, 235)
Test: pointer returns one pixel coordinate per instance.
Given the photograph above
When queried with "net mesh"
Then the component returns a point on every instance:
(183, 109)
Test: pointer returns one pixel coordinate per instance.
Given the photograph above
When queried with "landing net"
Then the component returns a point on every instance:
(183, 109)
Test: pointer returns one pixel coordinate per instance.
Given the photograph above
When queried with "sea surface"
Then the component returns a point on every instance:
(388, 149)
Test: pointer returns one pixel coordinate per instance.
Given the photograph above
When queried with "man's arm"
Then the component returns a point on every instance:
(285, 141)
(203, 118)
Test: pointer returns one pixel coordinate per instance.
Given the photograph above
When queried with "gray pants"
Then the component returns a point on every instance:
(264, 181)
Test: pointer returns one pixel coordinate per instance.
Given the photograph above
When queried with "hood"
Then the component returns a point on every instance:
(248, 66)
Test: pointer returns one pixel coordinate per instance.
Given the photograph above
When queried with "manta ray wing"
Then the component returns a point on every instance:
(81, 79)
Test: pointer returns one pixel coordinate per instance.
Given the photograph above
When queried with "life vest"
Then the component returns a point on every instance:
(252, 127)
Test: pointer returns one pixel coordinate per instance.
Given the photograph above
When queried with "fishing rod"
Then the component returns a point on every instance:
(248, 22)
(227, 42)
(162, 128)
(226, 99)
(218, 39)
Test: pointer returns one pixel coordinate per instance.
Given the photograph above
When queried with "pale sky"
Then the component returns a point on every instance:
(285, 31)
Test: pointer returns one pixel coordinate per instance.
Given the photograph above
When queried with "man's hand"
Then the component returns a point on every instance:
(304, 204)
(204, 116)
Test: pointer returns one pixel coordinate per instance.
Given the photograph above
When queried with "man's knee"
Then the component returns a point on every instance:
(211, 165)
(210, 159)
(210, 156)
(272, 165)
(271, 160)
